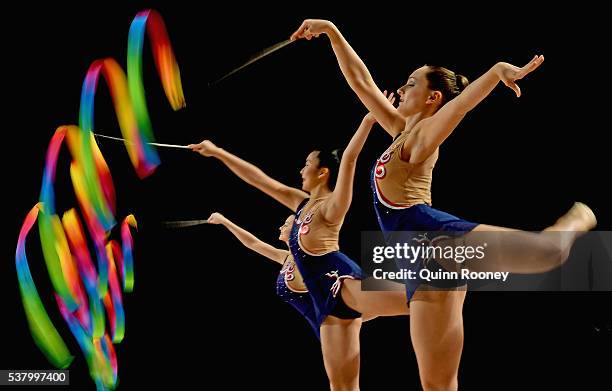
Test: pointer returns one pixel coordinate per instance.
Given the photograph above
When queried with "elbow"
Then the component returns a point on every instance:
(359, 82)
(251, 243)
(255, 177)
(349, 160)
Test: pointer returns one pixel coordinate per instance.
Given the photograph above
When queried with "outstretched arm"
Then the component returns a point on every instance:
(254, 176)
(356, 74)
(341, 198)
(438, 127)
(249, 240)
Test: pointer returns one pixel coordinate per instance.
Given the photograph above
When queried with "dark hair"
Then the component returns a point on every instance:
(330, 159)
(449, 83)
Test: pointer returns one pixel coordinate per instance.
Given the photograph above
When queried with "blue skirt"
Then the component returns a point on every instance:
(402, 225)
(301, 301)
(322, 274)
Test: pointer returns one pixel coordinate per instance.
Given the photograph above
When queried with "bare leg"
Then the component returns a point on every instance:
(526, 252)
(436, 330)
(374, 303)
(340, 346)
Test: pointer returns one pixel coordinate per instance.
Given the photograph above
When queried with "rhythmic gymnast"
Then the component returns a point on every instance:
(331, 278)
(289, 283)
(433, 102)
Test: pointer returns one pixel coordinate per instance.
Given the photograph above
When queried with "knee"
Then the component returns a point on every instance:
(556, 254)
(439, 383)
(344, 376)
(344, 383)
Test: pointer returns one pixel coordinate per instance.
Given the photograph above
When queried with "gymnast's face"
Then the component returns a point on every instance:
(311, 171)
(285, 229)
(414, 94)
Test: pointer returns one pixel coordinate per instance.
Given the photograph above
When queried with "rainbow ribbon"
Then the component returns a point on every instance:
(84, 294)
(143, 156)
(43, 331)
(127, 268)
(128, 93)
(150, 21)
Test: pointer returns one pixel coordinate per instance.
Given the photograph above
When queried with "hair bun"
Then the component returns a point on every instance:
(461, 82)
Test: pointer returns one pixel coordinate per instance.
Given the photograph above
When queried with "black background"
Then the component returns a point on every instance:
(204, 310)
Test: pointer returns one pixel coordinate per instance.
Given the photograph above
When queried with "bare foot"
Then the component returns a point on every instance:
(580, 218)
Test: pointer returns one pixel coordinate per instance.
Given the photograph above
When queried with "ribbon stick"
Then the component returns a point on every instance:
(254, 58)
